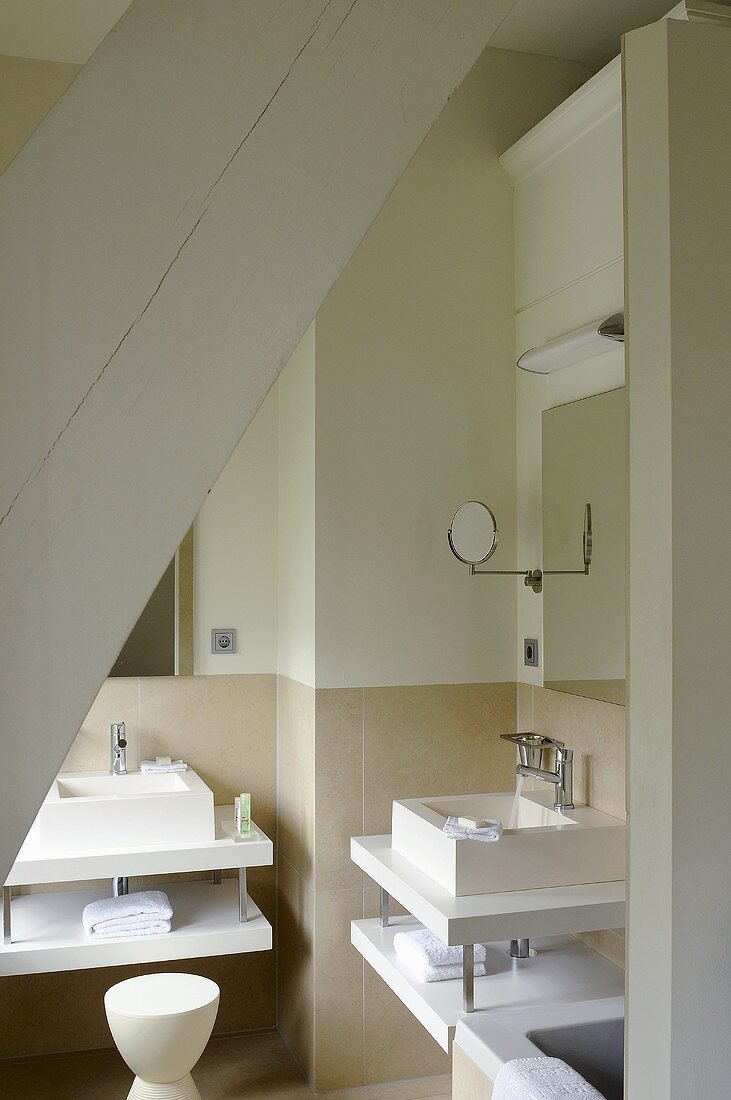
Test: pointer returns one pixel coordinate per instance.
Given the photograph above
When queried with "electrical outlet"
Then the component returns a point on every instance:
(530, 652)
(223, 641)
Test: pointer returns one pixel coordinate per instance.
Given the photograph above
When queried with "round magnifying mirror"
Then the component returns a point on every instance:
(473, 533)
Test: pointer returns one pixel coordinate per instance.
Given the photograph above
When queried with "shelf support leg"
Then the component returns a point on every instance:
(520, 949)
(385, 899)
(216, 878)
(7, 930)
(468, 977)
(243, 908)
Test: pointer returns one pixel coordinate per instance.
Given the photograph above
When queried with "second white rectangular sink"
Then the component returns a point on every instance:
(90, 810)
(542, 848)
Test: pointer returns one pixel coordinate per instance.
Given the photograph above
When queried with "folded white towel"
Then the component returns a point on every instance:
(541, 1079)
(425, 973)
(491, 832)
(423, 948)
(128, 915)
(153, 768)
(126, 929)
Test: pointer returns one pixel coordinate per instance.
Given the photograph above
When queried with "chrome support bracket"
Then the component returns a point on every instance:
(120, 886)
(243, 902)
(385, 899)
(7, 928)
(216, 878)
(468, 977)
(520, 949)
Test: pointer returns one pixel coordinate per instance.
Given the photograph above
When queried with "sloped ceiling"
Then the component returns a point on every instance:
(583, 30)
(166, 236)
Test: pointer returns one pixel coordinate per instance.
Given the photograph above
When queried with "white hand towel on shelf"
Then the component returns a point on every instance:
(153, 768)
(541, 1079)
(146, 912)
(491, 832)
(424, 948)
(124, 929)
(425, 973)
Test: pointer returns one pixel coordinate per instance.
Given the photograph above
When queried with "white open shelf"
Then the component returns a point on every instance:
(34, 865)
(486, 918)
(563, 970)
(48, 934)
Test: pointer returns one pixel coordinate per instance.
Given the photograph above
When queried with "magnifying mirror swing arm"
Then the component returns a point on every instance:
(533, 578)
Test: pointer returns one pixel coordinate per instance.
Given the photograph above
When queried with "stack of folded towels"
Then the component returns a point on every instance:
(145, 913)
(162, 764)
(541, 1079)
(430, 960)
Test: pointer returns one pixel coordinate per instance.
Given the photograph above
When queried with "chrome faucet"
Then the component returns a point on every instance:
(119, 749)
(531, 747)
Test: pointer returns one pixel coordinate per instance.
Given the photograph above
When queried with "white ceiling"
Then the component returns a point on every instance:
(583, 30)
(56, 30)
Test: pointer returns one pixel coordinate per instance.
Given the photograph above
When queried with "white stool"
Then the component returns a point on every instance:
(161, 1024)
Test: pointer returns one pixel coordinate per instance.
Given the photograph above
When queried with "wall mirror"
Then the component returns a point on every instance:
(584, 624)
(161, 641)
(473, 533)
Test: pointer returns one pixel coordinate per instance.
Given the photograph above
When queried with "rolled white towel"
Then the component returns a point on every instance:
(424, 948)
(541, 1079)
(128, 915)
(153, 768)
(491, 832)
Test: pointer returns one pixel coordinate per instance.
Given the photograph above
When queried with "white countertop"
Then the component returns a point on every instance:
(484, 918)
(34, 865)
(491, 1039)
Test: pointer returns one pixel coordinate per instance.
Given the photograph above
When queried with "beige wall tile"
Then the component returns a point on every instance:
(338, 784)
(116, 702)
(296, 983)
(434, 740)
(596, 731)
(296, 775)
(395, 1045)
(223, 726)
(247, 983)
(47, 1013)
(607, 943)
(468, 1080)
(524, 709)
(338, 991)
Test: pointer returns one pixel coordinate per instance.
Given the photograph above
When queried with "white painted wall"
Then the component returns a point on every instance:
(415, 409)
(296, 516)
(678, 163)
(235, 556)
(28, 90)
(166, 236)
(567, 180)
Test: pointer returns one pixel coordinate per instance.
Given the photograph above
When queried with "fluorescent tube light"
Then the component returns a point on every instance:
(582, 343)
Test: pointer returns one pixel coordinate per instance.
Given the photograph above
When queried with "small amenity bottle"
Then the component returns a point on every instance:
(242, 814)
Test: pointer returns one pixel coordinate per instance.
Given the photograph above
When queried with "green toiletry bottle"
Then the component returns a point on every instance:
(242, 810)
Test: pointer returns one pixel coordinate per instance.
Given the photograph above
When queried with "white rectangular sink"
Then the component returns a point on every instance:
(90, 810)
(542, 849)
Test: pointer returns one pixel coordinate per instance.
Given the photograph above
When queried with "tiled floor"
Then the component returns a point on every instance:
(244, 1067)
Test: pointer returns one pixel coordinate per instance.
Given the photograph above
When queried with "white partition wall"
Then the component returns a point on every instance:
(678, 276)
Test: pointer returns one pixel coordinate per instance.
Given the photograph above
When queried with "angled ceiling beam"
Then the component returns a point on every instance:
(166, 236)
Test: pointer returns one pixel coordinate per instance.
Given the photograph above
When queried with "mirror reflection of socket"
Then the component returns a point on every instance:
(530, 652)
(223, 641)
